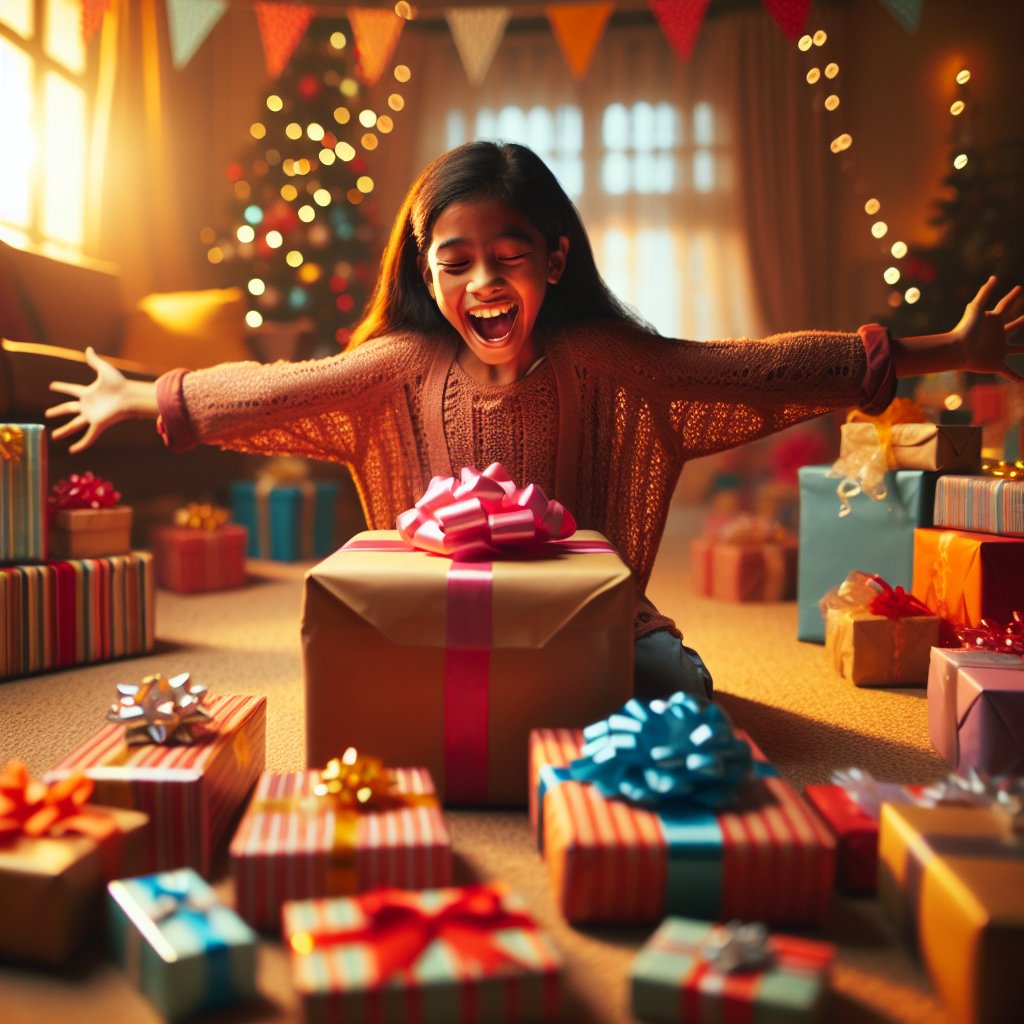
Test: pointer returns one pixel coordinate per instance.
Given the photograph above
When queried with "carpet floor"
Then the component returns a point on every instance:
(783, 692)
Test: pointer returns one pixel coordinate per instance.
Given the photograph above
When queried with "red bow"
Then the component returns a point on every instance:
(990, 636)
(34, 809)
(83, 490)
(480, 514)
(895, 602)
(399, 929)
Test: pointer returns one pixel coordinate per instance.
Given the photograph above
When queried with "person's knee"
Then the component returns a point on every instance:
(664, 665)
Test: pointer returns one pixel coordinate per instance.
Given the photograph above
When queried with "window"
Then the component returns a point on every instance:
(43, 120)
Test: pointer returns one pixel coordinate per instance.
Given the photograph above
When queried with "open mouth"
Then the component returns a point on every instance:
(493, 324)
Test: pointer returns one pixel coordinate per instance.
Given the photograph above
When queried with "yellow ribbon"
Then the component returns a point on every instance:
(899, 410)
(196, 516)
(12, 443)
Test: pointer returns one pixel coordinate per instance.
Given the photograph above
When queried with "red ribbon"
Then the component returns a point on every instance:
(895, 602)
(399, 929)
(482, 513)
(83, 490)
(989, 635)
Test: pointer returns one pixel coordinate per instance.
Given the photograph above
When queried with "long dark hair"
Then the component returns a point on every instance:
(517, 177)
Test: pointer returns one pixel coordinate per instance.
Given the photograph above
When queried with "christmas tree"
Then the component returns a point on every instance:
(304, 237)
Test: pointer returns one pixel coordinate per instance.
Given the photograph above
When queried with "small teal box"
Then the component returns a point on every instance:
(876, 537)
(287, 522)
(184, 950)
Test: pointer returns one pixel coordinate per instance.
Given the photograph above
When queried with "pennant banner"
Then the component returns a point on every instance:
(578, 29)
(189, 22)
(906, 12)
(375, 33)
(92, 17)
(477, 31)
(281, 27)
(789, 15)
(680, 20)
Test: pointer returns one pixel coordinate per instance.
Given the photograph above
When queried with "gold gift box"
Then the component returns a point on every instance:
(51, 889)
(930, 446)
(952, 879)
(875, 650)
(91, 532)
(378, 657)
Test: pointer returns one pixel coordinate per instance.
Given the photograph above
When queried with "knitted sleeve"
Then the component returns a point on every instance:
(317, 408)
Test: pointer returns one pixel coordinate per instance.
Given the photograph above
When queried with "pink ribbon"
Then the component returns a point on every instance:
(481, 514)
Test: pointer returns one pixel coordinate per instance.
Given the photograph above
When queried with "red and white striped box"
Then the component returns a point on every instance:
(769, 858)
(191, 560)
(192, 791)
(292, 844)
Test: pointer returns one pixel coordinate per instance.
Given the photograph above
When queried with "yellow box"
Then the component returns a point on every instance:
(875, 650)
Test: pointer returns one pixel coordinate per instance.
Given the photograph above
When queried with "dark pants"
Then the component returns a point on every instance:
(663, 665)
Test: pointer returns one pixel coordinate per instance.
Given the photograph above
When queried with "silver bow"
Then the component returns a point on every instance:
(160, 710)
(1001, 793)
(738, 946)
(868, 793)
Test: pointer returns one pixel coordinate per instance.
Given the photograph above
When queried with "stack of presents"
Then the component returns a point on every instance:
(505, 637)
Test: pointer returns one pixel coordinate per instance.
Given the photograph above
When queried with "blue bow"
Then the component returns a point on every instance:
(676, 752)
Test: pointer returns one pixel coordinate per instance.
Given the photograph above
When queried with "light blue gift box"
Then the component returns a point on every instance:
(23, 482)
(186, 952)
(876, 537)
(289, 522)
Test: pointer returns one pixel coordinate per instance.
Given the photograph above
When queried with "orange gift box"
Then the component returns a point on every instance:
(192, 791)
(294, 844)
(449, 664)
(769, 858)
(966, 577)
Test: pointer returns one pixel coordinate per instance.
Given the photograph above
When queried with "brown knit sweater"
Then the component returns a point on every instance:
(604, 423)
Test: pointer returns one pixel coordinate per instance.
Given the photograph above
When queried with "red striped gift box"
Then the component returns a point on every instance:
(769, 859)
(191, 792)
(294, 845)
(985, 504)
(469, 955)
(75, 612)
(193, 560)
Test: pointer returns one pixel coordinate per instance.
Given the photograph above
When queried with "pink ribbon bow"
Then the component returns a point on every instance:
(482, 513)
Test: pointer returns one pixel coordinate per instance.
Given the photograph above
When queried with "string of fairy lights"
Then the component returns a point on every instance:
(825, 73)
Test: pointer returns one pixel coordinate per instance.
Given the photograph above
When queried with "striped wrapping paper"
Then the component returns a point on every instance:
(985, 504)
(192, 560)
(671, 979)
(23, 479)
(771, 860)
(292, 845)
(75, 612)
(339, 982)
(190, 791)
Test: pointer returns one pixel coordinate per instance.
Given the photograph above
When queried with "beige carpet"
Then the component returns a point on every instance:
(783, 692)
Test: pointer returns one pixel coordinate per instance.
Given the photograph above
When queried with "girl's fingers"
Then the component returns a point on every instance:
(85, 441)
(1009, 301)
(67, 388)
(64, 409)
(71, 427)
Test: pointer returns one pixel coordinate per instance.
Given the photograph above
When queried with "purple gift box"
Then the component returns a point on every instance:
(976, 709)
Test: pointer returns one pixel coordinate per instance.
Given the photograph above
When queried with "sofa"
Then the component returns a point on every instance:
(52, 310)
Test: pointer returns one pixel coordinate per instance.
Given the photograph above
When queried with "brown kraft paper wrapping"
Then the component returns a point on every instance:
(929, 446)
(874, 650)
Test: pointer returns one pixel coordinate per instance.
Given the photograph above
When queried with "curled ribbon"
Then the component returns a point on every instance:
(196, 516)
(34, 809)
(738, 946)
(482, 513)
(12, 443)
(864, 466)
(399, 928)
(160, 710)
(83, 490)
(989, 635)
(1003, 794)
(678, 751)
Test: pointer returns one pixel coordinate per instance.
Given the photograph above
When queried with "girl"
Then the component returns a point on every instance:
(491, 337)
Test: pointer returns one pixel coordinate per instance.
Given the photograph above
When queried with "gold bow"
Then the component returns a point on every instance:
(196, 516)
(12, 443)
(1004, 470)
(899, 410)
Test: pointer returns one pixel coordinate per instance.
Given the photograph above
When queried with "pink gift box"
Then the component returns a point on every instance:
(733, 571)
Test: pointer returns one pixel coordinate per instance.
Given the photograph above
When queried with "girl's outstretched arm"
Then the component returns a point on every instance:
(110, 398)
(979, 343)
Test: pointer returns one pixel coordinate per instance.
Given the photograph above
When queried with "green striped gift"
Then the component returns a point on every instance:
(22, 492)
(985, 504)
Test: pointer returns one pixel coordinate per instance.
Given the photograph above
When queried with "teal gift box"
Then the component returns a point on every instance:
(287, 522)
(876, 537)
(187, 952)
(694, 971)
(23, 532)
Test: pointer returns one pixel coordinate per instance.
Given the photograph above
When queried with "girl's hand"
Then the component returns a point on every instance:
(110, 398)
(983, 334)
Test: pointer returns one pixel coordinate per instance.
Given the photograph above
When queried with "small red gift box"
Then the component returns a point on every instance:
(191, 560)
(298, 840)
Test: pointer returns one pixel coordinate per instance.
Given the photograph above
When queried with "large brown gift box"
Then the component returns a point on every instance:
(446, 664)
(943, 447)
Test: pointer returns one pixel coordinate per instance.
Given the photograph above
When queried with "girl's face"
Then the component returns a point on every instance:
(488, 269)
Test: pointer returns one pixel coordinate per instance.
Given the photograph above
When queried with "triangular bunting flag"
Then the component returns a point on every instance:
(281, 28)
(477, 31)
(680, 21)
(189, 22)
(789, 15)
(577, 29)
(375, 33)
(906, 12)
(92, 17)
